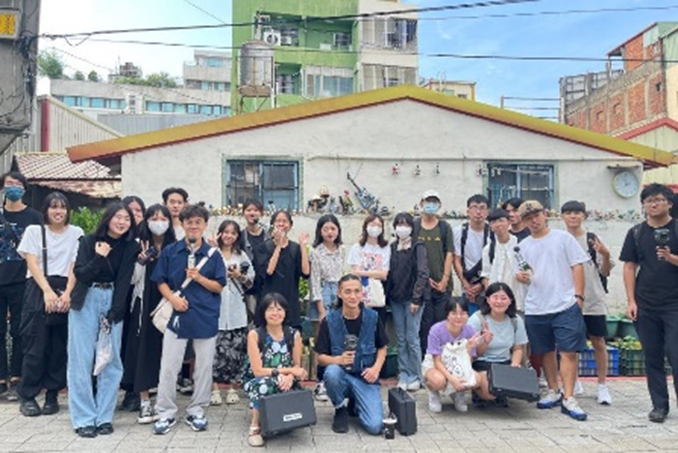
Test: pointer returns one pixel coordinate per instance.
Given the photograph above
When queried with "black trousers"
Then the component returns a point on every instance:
(658, 332)
(11, 301)
(45, 341)
(434, 311)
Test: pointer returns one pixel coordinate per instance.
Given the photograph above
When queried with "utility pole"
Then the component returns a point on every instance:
(19, 28)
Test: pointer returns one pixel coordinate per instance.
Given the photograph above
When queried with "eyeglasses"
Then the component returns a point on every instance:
(477, 208)
(658, 200)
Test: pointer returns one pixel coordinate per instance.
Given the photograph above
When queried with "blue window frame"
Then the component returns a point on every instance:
(152, 106)
(527, 181)
(273, 182)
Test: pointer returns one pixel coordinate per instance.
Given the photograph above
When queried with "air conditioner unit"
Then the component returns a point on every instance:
(272, 38)
(286, 41)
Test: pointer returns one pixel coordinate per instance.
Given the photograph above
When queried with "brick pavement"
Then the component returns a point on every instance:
(521, 427)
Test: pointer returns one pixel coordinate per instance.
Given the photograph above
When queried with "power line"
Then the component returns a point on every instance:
(202, 10)
(552, 13)
(420, 54)
(460, 6)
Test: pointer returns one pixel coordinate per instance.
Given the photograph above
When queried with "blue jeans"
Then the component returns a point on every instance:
(406, 327)
(472, 306)
(329, 295)
(341, 385)
(83, 330)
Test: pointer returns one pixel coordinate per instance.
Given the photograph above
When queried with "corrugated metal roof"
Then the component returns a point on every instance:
(57, 166)
(138, 124)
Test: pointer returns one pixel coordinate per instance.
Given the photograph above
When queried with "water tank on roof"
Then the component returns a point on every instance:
(256, 69)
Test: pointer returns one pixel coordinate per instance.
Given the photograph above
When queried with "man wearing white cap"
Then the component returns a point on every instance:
(436, 234)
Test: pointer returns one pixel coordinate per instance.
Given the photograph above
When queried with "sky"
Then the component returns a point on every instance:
(449, 32)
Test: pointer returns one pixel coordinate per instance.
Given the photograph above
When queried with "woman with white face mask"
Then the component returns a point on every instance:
(407, 278)
(370, 258)
(143, 342)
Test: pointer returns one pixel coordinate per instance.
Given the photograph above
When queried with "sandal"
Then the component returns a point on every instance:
(232, 397)
(215, 398)
(255, 438)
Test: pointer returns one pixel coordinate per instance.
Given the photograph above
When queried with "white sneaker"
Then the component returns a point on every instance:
(320, 392)
(604, 396)
(434, 403)
(215, 398)
(578, 388)
(413, 386)
(459, 399)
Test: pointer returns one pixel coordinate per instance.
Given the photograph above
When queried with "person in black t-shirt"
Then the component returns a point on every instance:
(351, 344)
(254, 236)
(650, 256)
(518, 227)
(15, 217)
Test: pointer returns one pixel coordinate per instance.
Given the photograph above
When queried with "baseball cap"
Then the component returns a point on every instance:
(430, 194)
(497, 214)
(530, 207)
(573, 206)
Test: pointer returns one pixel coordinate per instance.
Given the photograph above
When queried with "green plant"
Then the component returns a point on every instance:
(86, 219)
(303, 289)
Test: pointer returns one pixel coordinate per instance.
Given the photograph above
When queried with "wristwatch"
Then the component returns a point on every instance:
(275, 373)
(579, 296)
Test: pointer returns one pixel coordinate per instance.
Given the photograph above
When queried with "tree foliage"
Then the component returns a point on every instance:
(93, 76)
(159, 80)
(78, 75)
(51, 65)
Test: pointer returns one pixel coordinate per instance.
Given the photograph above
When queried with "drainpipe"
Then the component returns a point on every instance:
(44, 124)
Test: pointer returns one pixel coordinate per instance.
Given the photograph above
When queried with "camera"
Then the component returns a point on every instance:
(244, 267)
(151, 254)
(662, 236)
(350, 344)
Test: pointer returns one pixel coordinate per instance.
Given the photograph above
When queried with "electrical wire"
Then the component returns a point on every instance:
(202, 10)
(285, 21)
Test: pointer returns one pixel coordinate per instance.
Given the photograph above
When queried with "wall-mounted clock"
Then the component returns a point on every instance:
(626, 184)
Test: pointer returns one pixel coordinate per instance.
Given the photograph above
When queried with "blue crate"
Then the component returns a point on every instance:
(587, 362)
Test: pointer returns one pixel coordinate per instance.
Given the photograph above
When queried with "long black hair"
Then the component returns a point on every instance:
(52, 200)
(237, 245)
(327, 218)
(110, 212)
(495, 288)
(145, 233)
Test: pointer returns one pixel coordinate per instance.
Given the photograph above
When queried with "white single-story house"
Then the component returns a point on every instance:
(395, 143)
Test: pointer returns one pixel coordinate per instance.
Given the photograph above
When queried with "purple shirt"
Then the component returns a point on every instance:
(439, 335)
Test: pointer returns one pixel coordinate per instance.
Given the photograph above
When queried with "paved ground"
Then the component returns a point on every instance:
(620, 427)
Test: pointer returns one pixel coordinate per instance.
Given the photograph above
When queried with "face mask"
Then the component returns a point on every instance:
(158, 227)
(374, 231)
(403, 231)
(14, 193)
(431, 208)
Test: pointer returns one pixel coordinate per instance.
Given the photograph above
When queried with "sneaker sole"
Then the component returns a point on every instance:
(578, 417)
(549, 405)
(148, 420)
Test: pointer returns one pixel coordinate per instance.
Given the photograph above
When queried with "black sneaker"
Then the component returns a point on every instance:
(29, 408)
(51, 405)
(131, 402)
(340, 422)
(11, 394)
(658, 415)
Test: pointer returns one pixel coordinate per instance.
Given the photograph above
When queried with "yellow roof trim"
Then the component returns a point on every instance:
(115, 147)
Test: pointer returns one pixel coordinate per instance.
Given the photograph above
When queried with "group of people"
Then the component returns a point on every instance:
(527, 290)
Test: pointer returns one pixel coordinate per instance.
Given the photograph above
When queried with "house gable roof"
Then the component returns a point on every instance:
(662, 122)
(109, 151)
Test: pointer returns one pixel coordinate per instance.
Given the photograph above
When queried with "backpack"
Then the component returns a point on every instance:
(590, 237)
(445, 232)
(289, 338)
(638, 229)
(473, 275)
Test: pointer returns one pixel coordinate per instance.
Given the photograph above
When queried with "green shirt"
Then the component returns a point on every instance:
(435, 250)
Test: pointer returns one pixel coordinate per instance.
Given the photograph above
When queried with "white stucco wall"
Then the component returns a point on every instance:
(367, 142)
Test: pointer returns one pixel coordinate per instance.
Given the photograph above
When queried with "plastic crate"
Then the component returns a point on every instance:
(633, 362)
(587, 362)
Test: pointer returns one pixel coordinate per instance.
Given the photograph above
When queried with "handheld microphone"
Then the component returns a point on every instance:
(191, 256)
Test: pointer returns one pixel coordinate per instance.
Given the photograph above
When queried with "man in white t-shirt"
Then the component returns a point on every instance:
(469, 240)
(555, 294)
(573, 214)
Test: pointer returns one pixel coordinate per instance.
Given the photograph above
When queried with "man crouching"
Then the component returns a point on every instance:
(352, 344)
